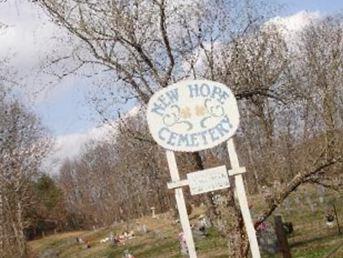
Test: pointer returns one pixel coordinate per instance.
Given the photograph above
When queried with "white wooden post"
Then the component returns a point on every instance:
(242, 199)
(181, 205)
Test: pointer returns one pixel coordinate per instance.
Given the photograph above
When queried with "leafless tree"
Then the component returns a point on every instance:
(150, 44)
(22, 147)
(312, 124)
(23, 144)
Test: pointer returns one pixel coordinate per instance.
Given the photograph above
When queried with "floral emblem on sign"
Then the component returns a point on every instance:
(214, 109)
(185, 113)
(200, 110)
(180, 115)
(175, 115)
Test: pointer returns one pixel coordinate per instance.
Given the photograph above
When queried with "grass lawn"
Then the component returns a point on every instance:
(311, 237)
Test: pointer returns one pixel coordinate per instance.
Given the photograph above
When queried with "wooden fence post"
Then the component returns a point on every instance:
(281, 237)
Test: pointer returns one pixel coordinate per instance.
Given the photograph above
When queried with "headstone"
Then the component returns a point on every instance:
(205, 221)
(267, 238)
(286, 204)
(141, 229)
(282, 237)
(49, 253)
(127, 254)
(330, 217)
(218, 199)
(144, 229)
(310, 203)
(288, 227)
(200, 228)
(111, 237)
(321, 193)
(321, 199)
(153, 215)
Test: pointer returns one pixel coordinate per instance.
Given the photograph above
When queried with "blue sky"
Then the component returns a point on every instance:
(324, 6)
(64, 107)
(69, 113)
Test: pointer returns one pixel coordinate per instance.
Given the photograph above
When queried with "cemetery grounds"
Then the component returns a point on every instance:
(306, 209)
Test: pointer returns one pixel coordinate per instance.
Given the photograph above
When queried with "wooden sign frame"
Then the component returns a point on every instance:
(194, 115)
(236, 171)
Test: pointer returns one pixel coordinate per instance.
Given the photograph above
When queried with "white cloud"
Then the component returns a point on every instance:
(70, 145)
(28, 34)
(297, 21)
(29, 40)
(291, 25)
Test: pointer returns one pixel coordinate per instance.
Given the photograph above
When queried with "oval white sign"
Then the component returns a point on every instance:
(192, 115)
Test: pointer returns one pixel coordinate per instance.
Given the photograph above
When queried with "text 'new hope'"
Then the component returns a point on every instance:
(195, 135)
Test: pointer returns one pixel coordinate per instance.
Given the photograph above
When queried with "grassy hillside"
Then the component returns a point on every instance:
(311, 237)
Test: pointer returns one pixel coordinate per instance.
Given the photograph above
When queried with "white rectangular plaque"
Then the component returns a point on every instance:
(208, 180)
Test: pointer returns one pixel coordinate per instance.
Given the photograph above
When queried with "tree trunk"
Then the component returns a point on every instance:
(226, 218)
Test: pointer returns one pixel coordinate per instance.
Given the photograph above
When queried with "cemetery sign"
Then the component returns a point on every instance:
(192, 115)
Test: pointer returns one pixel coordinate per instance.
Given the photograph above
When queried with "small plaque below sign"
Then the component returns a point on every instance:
(208, 180)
